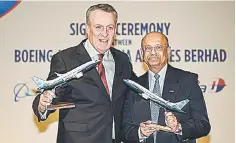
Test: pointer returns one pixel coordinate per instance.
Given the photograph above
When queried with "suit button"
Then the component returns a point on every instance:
(112, 105)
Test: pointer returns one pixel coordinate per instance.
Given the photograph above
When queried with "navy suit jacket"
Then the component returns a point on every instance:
(91, 120)
(178, 85)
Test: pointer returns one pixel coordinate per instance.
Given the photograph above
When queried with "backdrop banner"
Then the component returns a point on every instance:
(201, 35)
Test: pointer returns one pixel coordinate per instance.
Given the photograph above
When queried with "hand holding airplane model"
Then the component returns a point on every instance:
(146, 94)
(43, 85)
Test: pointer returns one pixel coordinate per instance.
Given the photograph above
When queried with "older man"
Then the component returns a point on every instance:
(99, 95)
(173, 85)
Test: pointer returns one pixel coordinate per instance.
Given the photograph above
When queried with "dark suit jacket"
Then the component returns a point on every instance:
(195, 123)
(91, 120)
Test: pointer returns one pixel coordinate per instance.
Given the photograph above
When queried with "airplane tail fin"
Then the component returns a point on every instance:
(39, 82)
(181, 104)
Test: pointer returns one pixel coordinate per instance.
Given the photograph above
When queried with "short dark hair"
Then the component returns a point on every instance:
(104, 7)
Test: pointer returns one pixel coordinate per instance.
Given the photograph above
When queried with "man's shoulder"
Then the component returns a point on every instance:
(119, 53)
(71, 50)
(142, 78)
(185, 74)
(67, 51)
(183, 71)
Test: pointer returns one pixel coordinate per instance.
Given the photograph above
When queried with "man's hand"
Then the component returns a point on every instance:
(172, 122)
(147, 128)
(45, 100)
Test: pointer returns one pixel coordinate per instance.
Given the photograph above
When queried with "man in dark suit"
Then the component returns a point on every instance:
(99, 94)
(173, 85)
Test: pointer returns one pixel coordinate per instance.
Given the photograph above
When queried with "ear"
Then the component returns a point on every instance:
(87, 28)
(141, 54)
(115, 32)
(168, 54)
(115, 28)
(168, 50)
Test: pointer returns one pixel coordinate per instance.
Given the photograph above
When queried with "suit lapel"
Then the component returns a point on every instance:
(141, 104)
(92, 74)
(171, 84)
(170, 89)
(117, 80)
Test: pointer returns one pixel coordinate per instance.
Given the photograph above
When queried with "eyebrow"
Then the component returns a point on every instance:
(110, 25)
(158, 45)
(153, 45)
(103, 25)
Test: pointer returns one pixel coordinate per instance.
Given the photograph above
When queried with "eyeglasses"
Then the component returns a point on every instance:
(156, 48)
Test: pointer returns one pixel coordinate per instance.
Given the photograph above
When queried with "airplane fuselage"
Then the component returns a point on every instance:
(63, 78)
(145, 93)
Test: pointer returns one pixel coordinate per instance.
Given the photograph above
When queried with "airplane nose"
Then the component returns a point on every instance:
(125, 81)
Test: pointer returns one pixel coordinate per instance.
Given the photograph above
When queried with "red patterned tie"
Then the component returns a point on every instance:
(101, 72)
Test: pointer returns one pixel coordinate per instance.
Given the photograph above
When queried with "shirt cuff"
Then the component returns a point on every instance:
(180, 130)
(141, 138)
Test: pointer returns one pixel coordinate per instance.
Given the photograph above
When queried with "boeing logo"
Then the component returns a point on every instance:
(21, 90)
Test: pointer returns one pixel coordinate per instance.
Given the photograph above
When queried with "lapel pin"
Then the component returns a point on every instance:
(171, 91)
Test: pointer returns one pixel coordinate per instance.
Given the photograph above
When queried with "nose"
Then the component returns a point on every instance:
(153, 51)
(104, 32)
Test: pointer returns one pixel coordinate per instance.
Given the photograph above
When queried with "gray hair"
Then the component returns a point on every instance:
(104, 7)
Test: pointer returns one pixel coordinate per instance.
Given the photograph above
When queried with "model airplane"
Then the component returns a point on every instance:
(145, 93)
(63, 78)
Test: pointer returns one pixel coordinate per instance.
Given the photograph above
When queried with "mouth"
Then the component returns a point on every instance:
(103, 40)
(153, 58)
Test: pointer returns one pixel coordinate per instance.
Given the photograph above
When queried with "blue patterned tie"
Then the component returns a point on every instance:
(154, 108)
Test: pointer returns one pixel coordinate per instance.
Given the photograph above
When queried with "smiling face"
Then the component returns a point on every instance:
(155, 51)
(101, 30)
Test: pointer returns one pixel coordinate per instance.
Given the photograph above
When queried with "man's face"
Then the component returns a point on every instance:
(101, 30)
(155, 50)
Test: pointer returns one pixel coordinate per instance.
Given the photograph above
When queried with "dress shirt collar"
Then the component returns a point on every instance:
(93, 52)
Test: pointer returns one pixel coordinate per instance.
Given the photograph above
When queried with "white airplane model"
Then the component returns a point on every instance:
(145, 93)
(63, 78)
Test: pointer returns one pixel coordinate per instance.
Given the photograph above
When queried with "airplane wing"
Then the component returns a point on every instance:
(58, 74)
(144, 95)
(78, 75)
(180, 104)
